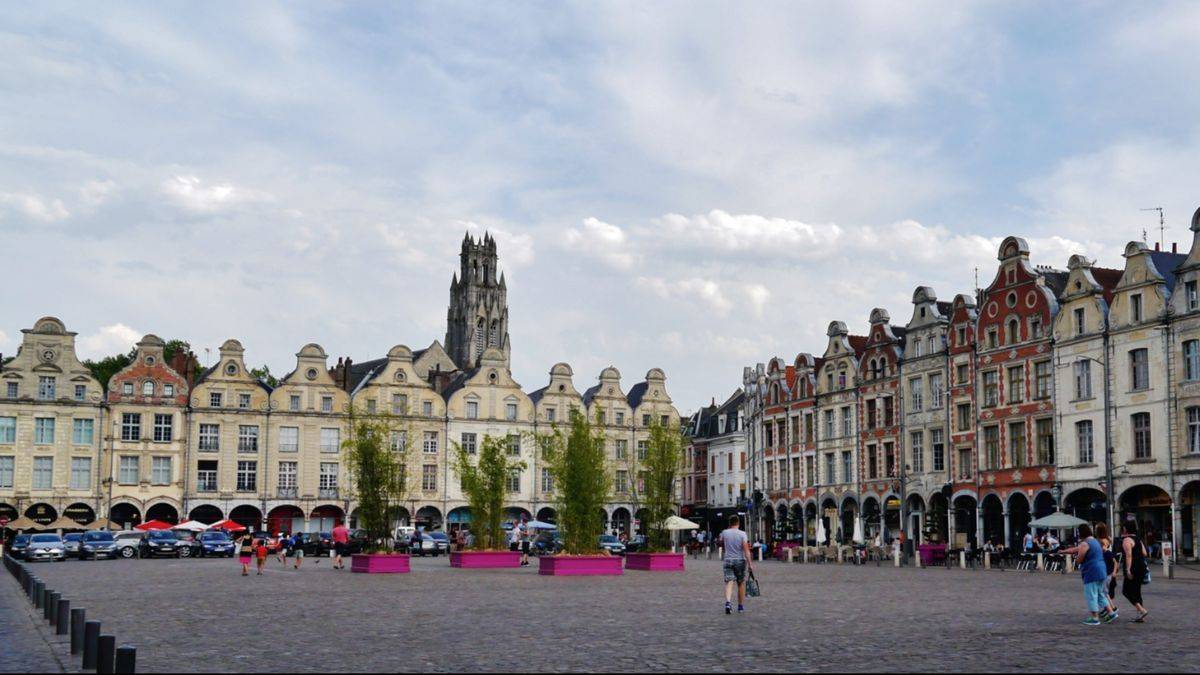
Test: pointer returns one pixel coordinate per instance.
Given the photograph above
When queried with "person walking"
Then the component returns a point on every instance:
(260, 555)
(514, 537)
(1133, 564)
(297, 544)
(735, 562)
(245, 553)
(341, 541)
(284, 543)
(1110, 563)
(525, 543)
(1089, 556)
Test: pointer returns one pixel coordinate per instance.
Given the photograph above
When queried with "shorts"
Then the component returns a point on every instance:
(514, 546)
(298, 552)
(525, 547)
(1095, 595)
(735, 570)
(339, 548)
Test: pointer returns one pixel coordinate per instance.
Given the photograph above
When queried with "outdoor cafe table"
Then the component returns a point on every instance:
(931, 554)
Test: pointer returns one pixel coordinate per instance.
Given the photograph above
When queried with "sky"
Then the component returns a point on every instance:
(693, 186)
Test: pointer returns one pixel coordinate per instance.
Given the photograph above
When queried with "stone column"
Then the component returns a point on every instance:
(1007, 529)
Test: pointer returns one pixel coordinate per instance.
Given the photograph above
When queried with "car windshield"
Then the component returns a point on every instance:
(45, 539)
(21, 539)
(440, 535)
(214, 537)
(73, 537)
(162, 535)
(98, 536)
(607, 539)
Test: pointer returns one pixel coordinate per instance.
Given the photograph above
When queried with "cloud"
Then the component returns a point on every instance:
(34, 206)
(600, 240)
(194, 194)
(108, 340)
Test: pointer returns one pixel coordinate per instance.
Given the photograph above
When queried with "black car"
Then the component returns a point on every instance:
(636, 544)
(19, 544)
(215, 543)
(548, 543)
(159, 544)
(98, 544)
(189, 545)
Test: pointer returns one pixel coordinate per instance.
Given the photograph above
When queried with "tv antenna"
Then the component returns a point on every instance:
(1162, 226)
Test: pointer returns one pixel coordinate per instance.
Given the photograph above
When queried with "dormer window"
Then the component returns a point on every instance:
(148, 388)
(127, 389)
(1192, 294)
(231, 368)
(1135, 308)
(1079, 321)
(1013, 334)
(168, 390)
(1035, 328)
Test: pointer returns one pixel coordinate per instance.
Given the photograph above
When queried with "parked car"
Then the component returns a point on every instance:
(71, 542)
(98, 544)
(636, 544)
(612, 544)
(428, 546)
(189, 545)
(215, 543)
(45, 547)
(443, 541)
(548, 543)
(159, 543)
(128, 543)
(19, 544)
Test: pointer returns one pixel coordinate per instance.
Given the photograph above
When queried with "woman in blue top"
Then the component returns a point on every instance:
(1089, 556)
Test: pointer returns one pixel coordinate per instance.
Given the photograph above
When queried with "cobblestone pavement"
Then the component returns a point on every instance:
(202, 616)
(26, 644)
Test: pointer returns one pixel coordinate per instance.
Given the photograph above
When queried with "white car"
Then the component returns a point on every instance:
(46, 547)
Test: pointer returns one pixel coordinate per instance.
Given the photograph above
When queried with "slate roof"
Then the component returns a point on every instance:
(590, 394)
(361, 373)
(858, 343)
(204, 376)
(1056, 280)
(536, 396)
(636, 394)
(1167, 263)
(945, 308)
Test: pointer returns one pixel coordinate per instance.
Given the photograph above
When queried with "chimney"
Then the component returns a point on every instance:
(1174, 247)
(1156, 247)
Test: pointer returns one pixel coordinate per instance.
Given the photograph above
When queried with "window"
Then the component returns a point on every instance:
(429, 477)
(13, 390)
(964, 416)
(810, 471)
(160, 470)
(289, 439)
(964, 463)
(991, 392)
(399, 404)
(326, 404)
(399, 441)
(430, 443)
(513, 481)
(872, 462)
(993, 339)
(962, 336)
(82, 432)
(871, 414)
(1045, 441)
(1016, 444)
(128, 471)
(645, 420)
(46, 386)
(210, 437)
(1193, 297)
(214, 400)
(1016, 384)
(127, 389)
(918, 452)
(43, 430)
(468, 443)
(847, 420)
(294, 403)
(620, 421)
(1012, 333)
(621, 449)
(164, 427)
(510, 411)
(1035, 328)
(847, 467)
(962, 373)
(830, 469)
(43, 473)
(206, 476)
(329, 476)
(1135, 308)
(1191, 360)
(889, 459)
(514, 445)
(371, 406)
(551, 414)
(1084, 441)
(7, 466)
(938, 446)
(1141, 436)
(547, 481)
(1139, 369)
(828, 424)
(244, 401)
(168, 390)
(1193, 430)
(131, 426)
(472, 410)
(641, 450)
(80, 392)
(81, 473)
(1080, 325)
(247, 476)
(287, 478)
(991, 447)
(1083, 379)
(427, 408)
(8, 430)
(248, 438)
(148, 388)
(1043, 380)
(621, 484)
(331, 439)
(935, 391)
(916, 392)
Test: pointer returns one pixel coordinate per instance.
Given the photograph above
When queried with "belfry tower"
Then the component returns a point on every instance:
(478, 314)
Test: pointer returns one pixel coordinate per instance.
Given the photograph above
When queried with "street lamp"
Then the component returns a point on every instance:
(1056, 493)
(1108, 448)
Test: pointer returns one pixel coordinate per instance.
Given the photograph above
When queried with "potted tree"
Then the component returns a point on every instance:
(483, 481)
(379, 473)
(659, 474)
(576, 462)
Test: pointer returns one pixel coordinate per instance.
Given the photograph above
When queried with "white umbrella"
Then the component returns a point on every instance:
(191, 526)
(858, 531)
(677, 523)
(539, 525)
(1057, 521)
(821, 536)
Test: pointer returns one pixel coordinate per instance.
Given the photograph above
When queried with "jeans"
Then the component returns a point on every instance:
(1097, 597)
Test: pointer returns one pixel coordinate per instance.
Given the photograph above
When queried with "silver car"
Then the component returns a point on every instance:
(45, 547)
(71, 543)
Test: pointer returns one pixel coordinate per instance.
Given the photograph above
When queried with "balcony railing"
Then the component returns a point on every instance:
(287, 493)
(327, 493)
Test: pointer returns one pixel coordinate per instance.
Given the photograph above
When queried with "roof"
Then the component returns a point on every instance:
(459, 381)
(858, 343)
(637, 393)
(365, 371)
(1056, 280)
(1167, 263)
(1108, 279)
(590, 394)
(945, 308)
(204, 376)
(536, 396)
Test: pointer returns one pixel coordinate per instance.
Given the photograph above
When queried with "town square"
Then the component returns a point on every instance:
(567, 337)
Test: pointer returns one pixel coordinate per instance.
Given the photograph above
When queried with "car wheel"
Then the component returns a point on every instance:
(127, 553)
(185, 553)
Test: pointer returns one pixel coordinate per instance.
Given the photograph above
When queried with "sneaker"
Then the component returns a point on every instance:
(1110, 617)
(741, 610)
(728, 608)
(1141, 617)
(1091, 621)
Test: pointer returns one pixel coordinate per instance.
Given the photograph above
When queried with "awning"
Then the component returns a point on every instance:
(63, 523)
(23, 523)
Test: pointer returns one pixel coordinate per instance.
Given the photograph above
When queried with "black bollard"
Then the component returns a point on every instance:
(46, 603)
(62, 617)
(52, 606)
(106, 654)
(126, 659)
(78, 617)
(39, 589)
(91, 643)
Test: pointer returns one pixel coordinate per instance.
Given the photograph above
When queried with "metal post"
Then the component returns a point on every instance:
(126, 659)
(91, 644)
(52, 606)
(78, 617)
(39, 589)
(107, 652)
(62, 617)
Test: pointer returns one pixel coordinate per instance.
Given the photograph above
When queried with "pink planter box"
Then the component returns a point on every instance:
(580, 565)
(485, 559)
(654, 562)
(380, 563)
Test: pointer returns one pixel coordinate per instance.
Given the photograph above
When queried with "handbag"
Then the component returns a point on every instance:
(752, 589)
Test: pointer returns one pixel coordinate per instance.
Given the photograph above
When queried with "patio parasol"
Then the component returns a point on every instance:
(191, 526)
(822, 537)
(154, 525)
(540, 525)
(677, 523)
(227, 526)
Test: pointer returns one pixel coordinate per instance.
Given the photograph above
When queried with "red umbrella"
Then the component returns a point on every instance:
(228, 526)
(155, 525)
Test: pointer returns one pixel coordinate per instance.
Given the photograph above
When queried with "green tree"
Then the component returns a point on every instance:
(263, 374)
(378, 464)
(484, 481)
(660, 472)
(105, 368)
(577, 464)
